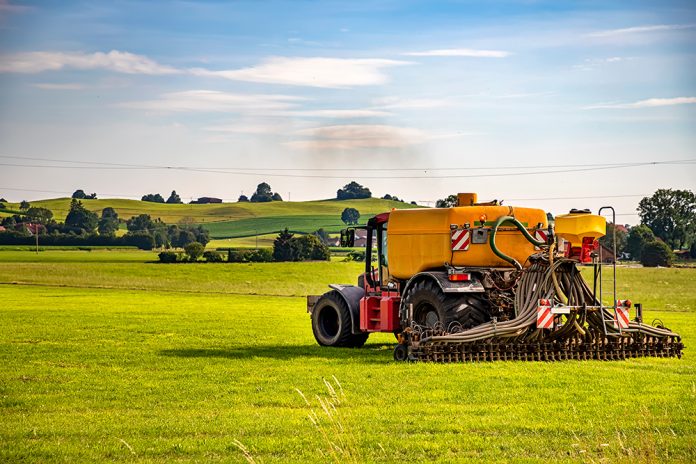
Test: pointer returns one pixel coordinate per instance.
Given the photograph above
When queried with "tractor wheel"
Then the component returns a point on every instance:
(331, 322)
(432, 306)
(400, 353)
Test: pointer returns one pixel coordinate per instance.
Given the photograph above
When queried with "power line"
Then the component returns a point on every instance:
(323, 176)
(311, 169)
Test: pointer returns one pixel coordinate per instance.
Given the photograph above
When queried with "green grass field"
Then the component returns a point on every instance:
(228, 220)
(107, 356)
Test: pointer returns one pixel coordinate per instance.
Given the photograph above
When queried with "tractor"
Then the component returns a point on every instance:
(486, 282)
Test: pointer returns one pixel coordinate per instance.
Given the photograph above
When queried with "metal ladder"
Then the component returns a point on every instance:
(614, 320)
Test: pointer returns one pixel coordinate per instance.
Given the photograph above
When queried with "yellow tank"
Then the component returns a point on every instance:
(420, 239)
(576, 226)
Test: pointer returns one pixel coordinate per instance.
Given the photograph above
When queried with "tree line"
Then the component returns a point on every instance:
(84, 227)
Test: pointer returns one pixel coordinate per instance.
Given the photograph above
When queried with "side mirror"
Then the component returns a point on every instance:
(347, 238)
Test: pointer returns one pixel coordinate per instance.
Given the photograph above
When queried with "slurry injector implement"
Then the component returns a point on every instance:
(486, 282)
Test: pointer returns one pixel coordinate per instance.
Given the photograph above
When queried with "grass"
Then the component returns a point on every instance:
(120, 359)
(235, 219)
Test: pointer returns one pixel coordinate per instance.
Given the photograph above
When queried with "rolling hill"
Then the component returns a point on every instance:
(230, 220)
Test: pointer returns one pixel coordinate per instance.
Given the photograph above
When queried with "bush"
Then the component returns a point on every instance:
(355, 255)
(309, 247)
(262, 255)
(194, 250)
(142, 239)
(212, 257)
(168, 257)
(656, 253)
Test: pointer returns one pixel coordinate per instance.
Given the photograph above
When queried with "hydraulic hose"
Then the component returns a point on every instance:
(521, 228)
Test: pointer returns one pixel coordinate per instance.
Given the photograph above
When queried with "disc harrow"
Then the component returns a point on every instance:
(585, 332)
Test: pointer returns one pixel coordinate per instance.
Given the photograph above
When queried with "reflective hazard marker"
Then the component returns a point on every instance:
(544, 315)
(542, 236)
(461, 239)
(621, 317)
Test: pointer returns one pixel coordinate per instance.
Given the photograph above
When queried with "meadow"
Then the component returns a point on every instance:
(107, 355)
(226, 220)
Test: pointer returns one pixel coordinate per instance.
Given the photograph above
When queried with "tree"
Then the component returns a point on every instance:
(243, 199)
(322, 235)
(262, 194)
(81, 218)
(353, 191)
(608, 239)
(108, 223)
(350, 216)
(637, 238)
(153, 198)
(656, 253)
(671, 214)
(276, 197)
(194, 250)
(80, 194)
(448, 202)
(40, 215)
(281, 246)
(2, 205)
(140, 222)
(174, 198)
(24, 205)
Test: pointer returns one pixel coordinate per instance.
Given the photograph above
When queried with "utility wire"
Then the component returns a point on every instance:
(323, 176)
(390, 169)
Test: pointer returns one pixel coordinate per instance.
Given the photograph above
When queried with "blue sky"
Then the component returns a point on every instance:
(244, 91)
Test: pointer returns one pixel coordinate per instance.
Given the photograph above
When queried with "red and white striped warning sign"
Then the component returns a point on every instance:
(461, 239)
(542, 236)
(544, 315)
(621, 318)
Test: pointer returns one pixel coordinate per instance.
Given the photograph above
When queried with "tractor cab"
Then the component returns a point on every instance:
(375, 243)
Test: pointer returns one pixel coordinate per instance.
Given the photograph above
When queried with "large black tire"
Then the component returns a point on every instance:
(331, 323)
(431, 306)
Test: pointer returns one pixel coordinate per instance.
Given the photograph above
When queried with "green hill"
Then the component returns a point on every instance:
(226, 220)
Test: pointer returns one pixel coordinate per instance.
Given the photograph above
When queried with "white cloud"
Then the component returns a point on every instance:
(214, 101)
(649, 103)
(123, 62)
(52, 86)
(352, 136)
(411, 103)
(246, 128)
(640, 30)
(340, 114)
(311, 72)
(469, 52)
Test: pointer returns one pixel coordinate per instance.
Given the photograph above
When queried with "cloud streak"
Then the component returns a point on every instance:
(462, 52)
(355, 136)
(214, 101)
(648, 103)
(117, 61)
(311, 72)
(640, 30)
(54, 86)
(308, 72)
